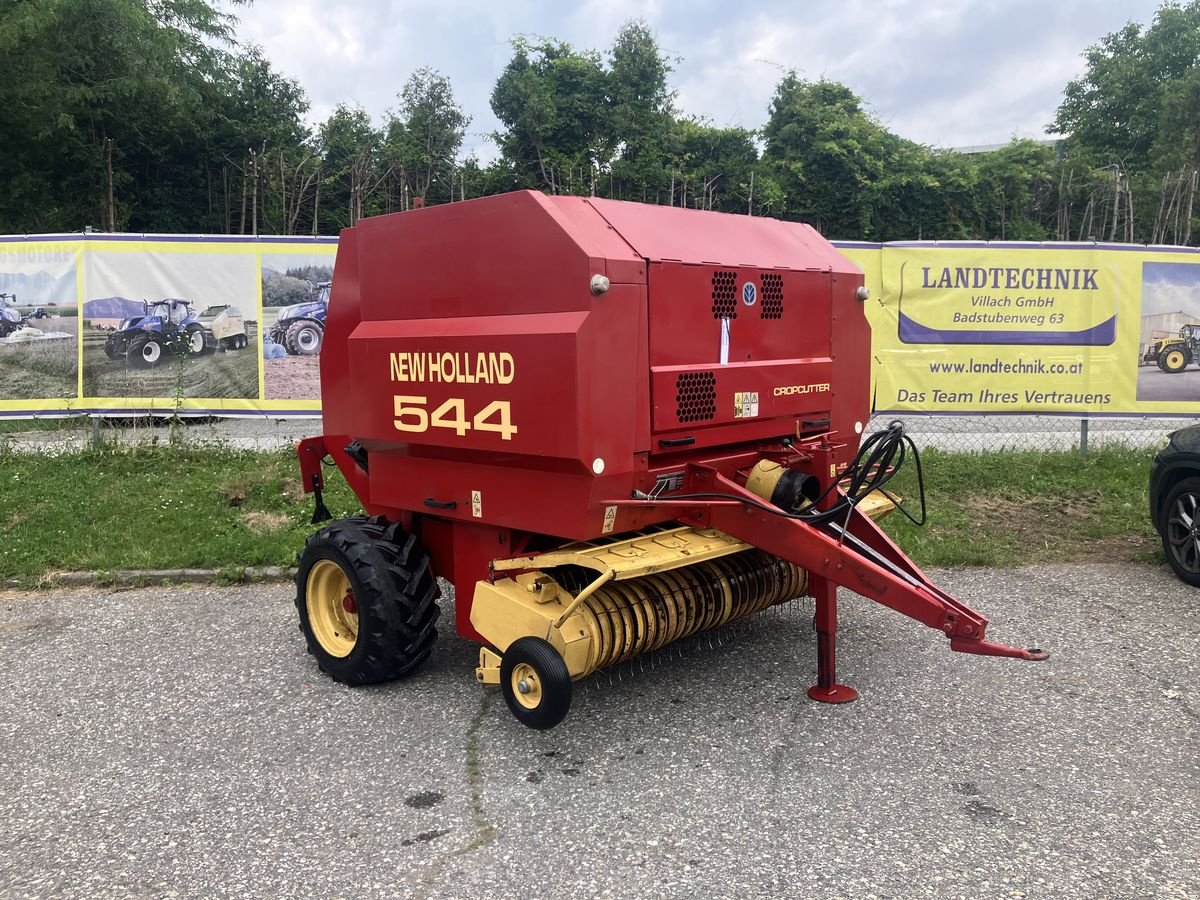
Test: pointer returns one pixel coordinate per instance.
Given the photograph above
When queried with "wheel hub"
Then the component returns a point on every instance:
(527, 687)
(332, 609)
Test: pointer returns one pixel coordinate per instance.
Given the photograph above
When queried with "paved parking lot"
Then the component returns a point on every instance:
(177, 742)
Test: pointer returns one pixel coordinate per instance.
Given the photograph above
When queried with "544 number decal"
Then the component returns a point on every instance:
(412, 415)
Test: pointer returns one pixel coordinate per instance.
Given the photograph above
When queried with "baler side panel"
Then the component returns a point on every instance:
(412, 368)
(851, 382)
(512, 253)
(338, 395)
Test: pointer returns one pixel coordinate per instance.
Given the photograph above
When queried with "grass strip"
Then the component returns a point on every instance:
(1011, 508)
(154, 508)
(168, 507)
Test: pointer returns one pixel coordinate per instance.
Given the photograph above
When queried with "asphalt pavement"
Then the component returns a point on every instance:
(1155, 384)
(178, 742)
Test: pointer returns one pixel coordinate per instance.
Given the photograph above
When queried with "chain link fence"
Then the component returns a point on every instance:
(979, 434)
(949, 434)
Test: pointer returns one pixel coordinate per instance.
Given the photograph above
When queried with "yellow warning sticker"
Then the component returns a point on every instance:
(745, 404)
(610, 519)
(477, 504)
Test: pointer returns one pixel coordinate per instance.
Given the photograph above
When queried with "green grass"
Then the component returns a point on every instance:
(154, 508)
(1014, 508)
(103, 510)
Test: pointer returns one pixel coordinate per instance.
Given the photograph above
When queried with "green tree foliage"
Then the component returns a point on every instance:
(89, 79)
(837, 166)
(147, 115)
(351, 150)
(553, 101)
(423, 142)
(641, 113)
(1133, 121)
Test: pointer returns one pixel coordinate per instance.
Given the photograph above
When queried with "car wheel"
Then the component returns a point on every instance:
(1181, 530)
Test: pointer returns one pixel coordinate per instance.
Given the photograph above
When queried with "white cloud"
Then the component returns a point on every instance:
(942, 72)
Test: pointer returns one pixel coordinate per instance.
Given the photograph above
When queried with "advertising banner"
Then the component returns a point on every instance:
(1078, 329)
(162, 324)
(235, 325)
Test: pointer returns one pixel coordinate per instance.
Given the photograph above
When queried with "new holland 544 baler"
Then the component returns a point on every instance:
(610, 426)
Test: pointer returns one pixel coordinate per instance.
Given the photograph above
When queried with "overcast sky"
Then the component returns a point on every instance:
(949, 73)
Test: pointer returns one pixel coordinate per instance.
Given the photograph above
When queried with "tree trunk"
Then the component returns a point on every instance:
(242, 224)
(1112, 231)
(1187, 215)
(317, 205)
(108, 154)
(254, 193)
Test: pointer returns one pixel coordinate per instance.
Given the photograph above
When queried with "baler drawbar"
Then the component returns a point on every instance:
(610, 426)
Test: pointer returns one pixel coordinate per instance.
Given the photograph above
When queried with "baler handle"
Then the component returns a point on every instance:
(441, 504)
(676, 442)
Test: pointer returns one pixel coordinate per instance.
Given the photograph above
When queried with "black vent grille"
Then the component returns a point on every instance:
(724, 295)
(772, 297)
(696, 396)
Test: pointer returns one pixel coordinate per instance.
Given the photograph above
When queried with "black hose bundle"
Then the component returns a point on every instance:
(879, 458)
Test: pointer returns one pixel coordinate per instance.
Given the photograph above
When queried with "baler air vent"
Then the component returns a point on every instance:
(724, 295)
(696, 396)
(772, 297)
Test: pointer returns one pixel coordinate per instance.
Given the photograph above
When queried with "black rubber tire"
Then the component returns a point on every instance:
(551, 672)
(134, 354)
(1164, 360)
(111, 350)
(1180, 545)
(304, 338)
(396, 593)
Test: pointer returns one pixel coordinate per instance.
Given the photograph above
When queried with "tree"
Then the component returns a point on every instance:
(423, 141)
(553, 102)
(350, 152)
(642, 113)
(104, 107)
(1114, 108)
(1131, 122)
(828, 155)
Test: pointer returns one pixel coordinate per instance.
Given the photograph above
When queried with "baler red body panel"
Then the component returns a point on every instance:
(489, 301)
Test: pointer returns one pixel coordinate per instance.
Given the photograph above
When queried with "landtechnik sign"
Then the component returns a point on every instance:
(1031, 328)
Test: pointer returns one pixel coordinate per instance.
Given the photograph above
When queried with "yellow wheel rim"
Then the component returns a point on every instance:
(332, 608)
(526, 686)
(1175, 359)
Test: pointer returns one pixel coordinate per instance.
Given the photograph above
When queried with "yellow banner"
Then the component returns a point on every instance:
(1045, 328)
(162, 324)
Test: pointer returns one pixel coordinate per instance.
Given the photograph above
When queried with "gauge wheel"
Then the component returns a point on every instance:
(367, 601)
(145, 352)
(535, 683)
(1173, 360)
(1181, 530)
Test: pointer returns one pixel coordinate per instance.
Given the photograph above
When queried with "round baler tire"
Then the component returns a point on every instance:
(552, 683)
(294, 338)
(393, 589)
